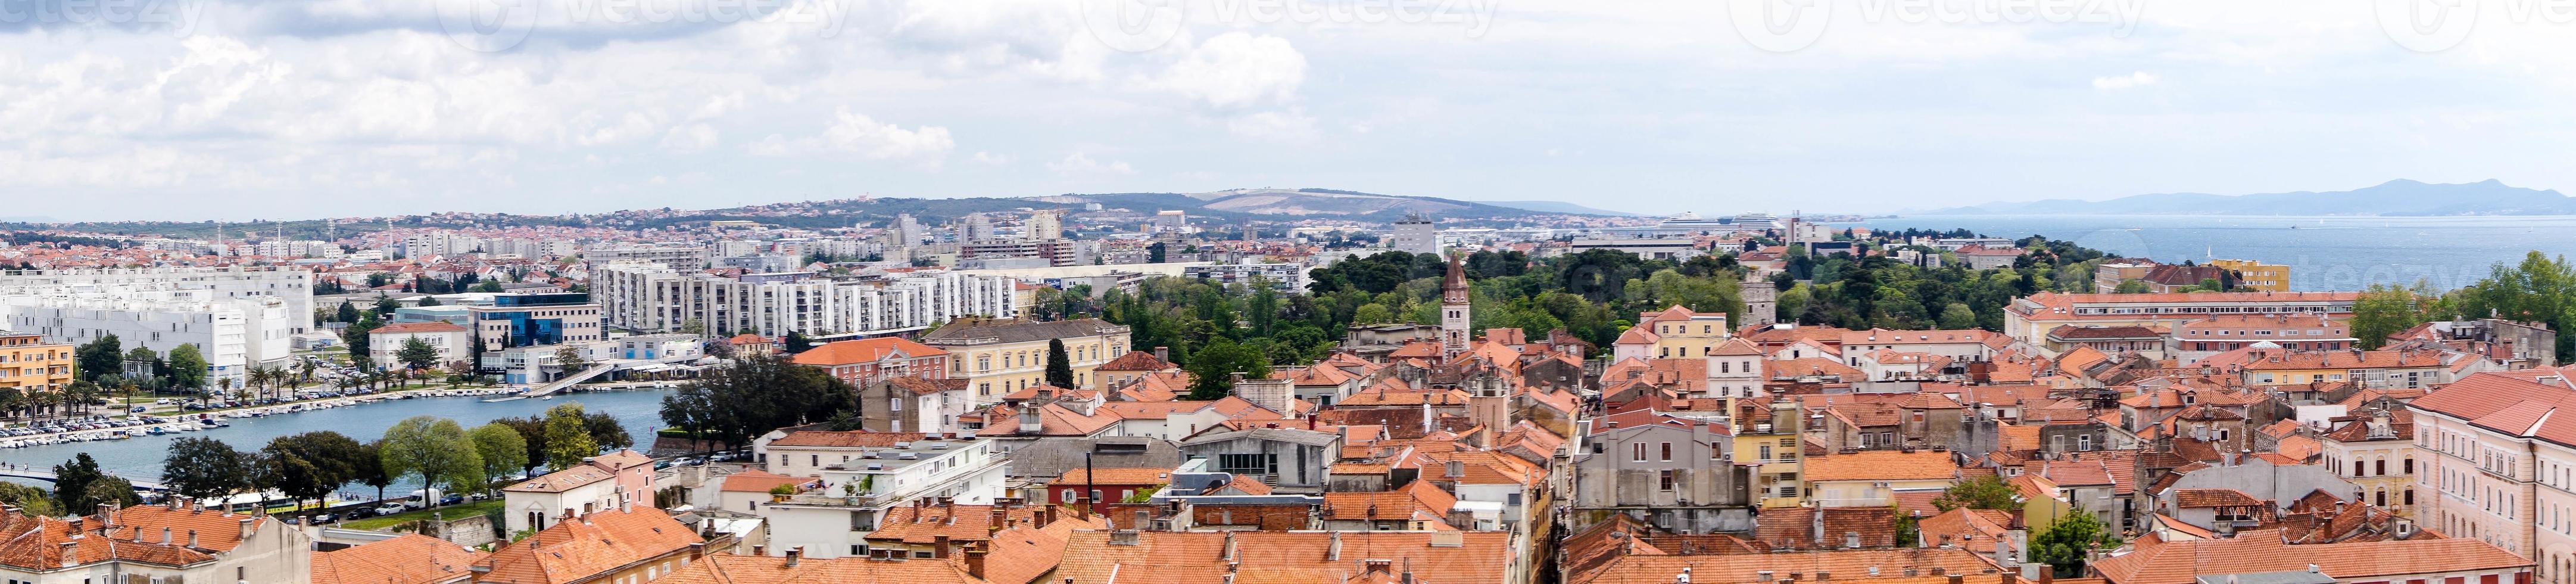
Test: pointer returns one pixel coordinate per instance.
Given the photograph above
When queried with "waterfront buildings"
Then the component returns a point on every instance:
(385, 343)
(30, 363)
(613, 481)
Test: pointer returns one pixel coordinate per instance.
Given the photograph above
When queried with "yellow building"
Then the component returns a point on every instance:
(28, 363)
(2376, 452)
(999, 356)
(1771, 444)
(2260, 277)
(1673, 333)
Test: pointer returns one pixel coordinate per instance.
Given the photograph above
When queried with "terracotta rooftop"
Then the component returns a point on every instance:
(864, 351)
(406, 559)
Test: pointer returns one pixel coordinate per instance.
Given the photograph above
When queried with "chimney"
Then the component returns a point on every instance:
(1334, 553)
(107, 515)
(192, 538)
(939, 547)
(975, 561)
(71, 554)
(165, 535)
(794, 554)
(759, 550)
(1163, 353)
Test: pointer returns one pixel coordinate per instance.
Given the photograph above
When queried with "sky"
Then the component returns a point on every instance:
(284, 109)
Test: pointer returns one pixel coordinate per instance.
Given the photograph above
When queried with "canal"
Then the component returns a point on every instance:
(639, 410)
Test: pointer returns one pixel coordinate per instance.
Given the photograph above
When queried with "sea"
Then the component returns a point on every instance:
(2324, 253)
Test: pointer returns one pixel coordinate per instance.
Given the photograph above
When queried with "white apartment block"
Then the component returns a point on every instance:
(865, 475)
(655, 298)
(438, 243)
(291, 284)
(294, 249)
(2500, 466)
(234, 334)
(677, 257)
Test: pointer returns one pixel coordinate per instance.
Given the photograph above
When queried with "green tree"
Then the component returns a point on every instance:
(205, 468)
(347, 313)
(571, 361)
(605, 430)
(501, 448)
(797, 342)
(1979, 492)
(2382, 310)
(111, 489)
(187, 368)
(417, 354)
(428, 301)
(72, 479)
(1059, 367)
(309, 466)
(567, 437)
(385, 307)
(2131, 287)
(532, 439)
(357, 337)
(29, 500)
(99, 358)
(2064, 545)
(435, 448)
(368, 467)
(1958, 316)
(1213, 367)
(752, 395)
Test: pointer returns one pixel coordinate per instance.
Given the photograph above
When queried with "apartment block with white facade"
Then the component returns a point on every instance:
(866, 474)
(233, 334)
(2499, 465)
(291, 284)
(647, 297)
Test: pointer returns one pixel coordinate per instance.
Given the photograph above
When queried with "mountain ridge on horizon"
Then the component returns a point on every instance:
(2395, 198)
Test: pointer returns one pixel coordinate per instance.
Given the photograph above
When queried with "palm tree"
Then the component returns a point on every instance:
(129, 394)
(224, 386)
(307, 368)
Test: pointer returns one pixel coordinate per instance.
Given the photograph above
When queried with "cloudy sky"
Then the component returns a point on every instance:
(236, 109)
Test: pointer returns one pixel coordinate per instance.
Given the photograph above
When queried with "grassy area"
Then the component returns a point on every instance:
(452, 512)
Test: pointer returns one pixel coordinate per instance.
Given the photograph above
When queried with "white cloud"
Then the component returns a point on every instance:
(1274, 126)
(1237, 69)
(858, 133)
(991, 158)
(1079, 163)
(690, 138)
(2119, 82)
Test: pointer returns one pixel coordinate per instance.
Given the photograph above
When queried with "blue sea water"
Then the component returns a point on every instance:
(2324, 253)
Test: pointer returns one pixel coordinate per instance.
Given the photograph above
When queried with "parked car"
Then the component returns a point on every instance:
(325, 518)
(390, 508)
(451, 500)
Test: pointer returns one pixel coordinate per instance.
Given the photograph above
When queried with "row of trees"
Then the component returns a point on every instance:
(2541, 289)
(441, 452)
(754, 394)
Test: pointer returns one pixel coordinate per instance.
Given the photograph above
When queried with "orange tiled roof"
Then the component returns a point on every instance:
(741, 569)
(1116, 476)
(864, 351)
(1882, 465)
(1307, 557)
(406, 559)
(849, 439)
(595, 544)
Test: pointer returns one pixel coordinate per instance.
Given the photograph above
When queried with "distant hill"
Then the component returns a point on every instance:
(2397, 198)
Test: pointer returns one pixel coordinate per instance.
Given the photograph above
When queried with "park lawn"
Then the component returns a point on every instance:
(468, 509)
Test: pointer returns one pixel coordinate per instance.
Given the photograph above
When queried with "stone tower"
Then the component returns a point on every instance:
(1761, 300)
(1453, 310)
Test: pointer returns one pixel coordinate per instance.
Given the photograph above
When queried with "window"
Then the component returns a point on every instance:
(1637, 452)
(2083, 443)
(2381, 466)
(1668, 451)
(1665, 479)
(1766, 452)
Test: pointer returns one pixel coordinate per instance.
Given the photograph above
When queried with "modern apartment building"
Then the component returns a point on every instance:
(677, 257)
(29, 362)
(655, 298)
(234, 334)
(290, 284)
